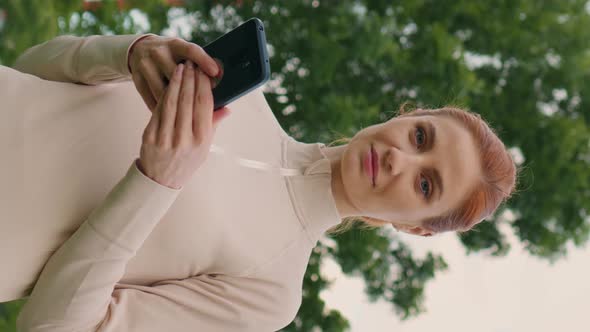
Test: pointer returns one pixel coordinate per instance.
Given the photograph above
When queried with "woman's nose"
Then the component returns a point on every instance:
(397, 161)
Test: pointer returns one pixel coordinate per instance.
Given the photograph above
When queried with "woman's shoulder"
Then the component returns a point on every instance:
(255, 105)
(252, 131)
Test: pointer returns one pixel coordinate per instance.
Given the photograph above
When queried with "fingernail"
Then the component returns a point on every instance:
(189, 65)
(215, 68)
(179, 68)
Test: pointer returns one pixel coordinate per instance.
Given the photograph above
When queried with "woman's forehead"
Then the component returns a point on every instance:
(456, 157)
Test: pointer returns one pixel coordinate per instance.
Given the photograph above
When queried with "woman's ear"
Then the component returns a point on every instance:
(376, 222)
(417, 230)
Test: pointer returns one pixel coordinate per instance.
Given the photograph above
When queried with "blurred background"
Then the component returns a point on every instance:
(340, 66)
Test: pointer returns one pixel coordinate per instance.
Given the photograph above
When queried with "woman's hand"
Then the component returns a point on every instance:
(152, 61)
(177, 139)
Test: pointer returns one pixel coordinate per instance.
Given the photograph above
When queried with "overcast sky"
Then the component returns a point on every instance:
(515, 293)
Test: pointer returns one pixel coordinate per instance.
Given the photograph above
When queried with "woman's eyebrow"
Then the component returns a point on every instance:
(439, 185)
(435, 174)
(432, 133)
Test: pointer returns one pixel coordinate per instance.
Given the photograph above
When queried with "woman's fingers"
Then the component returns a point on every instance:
(145, 92)
(150, 134)
(219, 115)
(168, 107)
(153, 59)
(151, 74)
(184, 118)
(165, 62)
(203, 108)
(181, 49)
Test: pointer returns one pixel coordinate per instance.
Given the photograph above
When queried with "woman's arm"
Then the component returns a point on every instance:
(75, 286)
(78, 289)
(87, 60)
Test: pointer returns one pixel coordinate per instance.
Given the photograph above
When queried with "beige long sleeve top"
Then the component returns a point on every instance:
(95, 245)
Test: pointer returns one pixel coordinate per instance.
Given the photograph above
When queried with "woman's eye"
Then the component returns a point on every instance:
(419, 141)
(425, 187)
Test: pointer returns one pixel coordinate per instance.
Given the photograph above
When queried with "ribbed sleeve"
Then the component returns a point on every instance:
(75, 286)
(89, 60)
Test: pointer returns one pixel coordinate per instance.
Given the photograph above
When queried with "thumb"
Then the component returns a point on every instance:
(220, 114)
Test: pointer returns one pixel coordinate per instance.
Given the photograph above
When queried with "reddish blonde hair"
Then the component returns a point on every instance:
(498, 181)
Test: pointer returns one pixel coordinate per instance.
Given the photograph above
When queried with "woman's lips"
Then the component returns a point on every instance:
(368, 165)
(375, 161)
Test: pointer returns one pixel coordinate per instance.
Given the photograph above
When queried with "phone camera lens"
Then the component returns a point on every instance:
(260, 28)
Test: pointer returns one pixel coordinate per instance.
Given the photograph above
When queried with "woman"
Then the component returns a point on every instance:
(225, 249)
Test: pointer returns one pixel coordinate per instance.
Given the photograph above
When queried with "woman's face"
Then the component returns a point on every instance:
(406, 189)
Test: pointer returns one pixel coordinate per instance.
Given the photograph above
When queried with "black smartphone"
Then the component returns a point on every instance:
(244, 61)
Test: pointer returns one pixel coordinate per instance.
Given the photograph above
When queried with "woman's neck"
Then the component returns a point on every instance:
(334, 153)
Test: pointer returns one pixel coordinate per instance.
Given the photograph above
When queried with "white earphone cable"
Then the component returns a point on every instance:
(257, 164)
